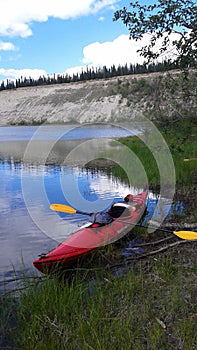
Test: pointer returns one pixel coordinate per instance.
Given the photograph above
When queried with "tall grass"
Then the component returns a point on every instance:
(150, 307)
(182, 143)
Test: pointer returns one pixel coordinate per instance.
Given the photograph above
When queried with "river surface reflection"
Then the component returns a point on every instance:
(69, 165)
(28, 226)
(40, 166)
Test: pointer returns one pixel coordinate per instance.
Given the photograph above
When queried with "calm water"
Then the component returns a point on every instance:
(50, 169)
(28, 226)
(64, 132)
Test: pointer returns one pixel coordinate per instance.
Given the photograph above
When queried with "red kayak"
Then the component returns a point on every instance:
(87, 239)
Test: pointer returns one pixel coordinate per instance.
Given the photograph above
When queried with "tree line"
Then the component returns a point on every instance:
(89, 74)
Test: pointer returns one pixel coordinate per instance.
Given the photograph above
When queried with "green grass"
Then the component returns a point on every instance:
(147, 159)
(151, 307)
(181, 140)
(33, 122)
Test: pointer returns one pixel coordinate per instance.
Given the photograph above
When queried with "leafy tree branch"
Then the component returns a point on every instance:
(161, 20)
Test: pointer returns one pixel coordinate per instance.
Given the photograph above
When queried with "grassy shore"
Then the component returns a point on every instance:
(181, 139)
(151, 306)
(146, 302)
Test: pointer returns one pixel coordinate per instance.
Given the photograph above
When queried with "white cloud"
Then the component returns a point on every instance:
(12, 74)
(74, 70)
(16, 16)
(99, 5)
(120, 51)
(6, 46)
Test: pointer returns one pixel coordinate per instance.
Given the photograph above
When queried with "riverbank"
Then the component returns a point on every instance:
(182, 143)
(144, 303)
(158, 96)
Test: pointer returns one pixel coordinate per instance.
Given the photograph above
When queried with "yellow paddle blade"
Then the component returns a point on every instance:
(63, 208)
(190, 235)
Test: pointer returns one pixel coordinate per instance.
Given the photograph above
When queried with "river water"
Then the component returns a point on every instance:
(68, 164)
(43, 165)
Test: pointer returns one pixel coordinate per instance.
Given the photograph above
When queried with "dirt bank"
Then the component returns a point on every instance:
(155, 95)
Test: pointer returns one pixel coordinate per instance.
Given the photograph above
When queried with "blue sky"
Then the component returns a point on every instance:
(41, 37)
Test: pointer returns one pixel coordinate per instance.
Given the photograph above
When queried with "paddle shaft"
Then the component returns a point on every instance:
(83, 213)
(189, 235)
(151, 227)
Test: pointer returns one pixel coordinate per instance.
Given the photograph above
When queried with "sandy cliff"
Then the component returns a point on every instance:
(82, 102)
(121, 98)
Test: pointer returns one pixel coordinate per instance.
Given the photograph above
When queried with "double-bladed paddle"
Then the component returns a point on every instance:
(188, 235)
